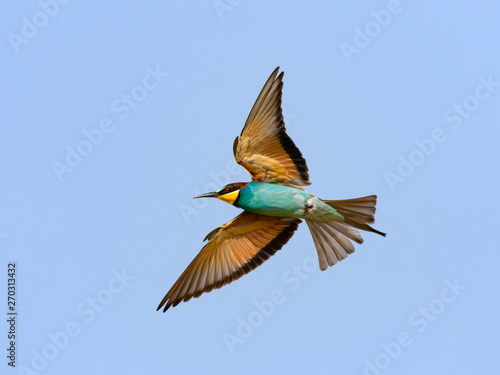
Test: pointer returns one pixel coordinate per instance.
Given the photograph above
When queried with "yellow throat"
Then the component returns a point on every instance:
(230, 197)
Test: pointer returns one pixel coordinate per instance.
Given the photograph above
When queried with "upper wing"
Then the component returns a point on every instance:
(233, 250)
(263, 148)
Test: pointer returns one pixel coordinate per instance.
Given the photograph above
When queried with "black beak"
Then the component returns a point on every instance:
(207, 195)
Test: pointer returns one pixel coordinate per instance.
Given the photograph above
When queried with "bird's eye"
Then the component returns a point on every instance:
(226, 190)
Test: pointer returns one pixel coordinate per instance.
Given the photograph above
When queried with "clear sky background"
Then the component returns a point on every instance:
(399, 99)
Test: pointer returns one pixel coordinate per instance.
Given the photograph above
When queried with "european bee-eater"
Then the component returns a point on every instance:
(274, 203)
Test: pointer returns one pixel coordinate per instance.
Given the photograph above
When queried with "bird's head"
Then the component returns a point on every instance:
(228, 193)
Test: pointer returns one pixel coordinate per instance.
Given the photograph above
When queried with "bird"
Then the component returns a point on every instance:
(274, 203)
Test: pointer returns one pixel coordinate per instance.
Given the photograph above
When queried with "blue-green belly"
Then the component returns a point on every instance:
(284, 201)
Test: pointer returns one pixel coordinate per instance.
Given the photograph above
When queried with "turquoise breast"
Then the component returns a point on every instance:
(284, 201)
(272, 199)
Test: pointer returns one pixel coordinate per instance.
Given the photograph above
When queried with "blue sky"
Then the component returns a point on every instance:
(113, 117)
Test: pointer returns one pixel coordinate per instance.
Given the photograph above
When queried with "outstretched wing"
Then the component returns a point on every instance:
(233, 250)
(263, 148)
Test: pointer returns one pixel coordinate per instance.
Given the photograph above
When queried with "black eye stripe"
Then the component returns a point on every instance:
(228, 189)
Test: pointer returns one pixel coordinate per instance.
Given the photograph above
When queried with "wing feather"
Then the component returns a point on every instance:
(233, 250)
(264, 148)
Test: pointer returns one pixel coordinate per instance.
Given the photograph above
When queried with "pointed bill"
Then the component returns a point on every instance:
(207, 195)
(233, 250)
(263, 148)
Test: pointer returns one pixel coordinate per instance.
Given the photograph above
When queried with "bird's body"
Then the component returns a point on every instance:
(284, 201)
(274, 204)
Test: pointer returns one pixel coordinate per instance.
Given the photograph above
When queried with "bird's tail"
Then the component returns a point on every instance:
(332, 239)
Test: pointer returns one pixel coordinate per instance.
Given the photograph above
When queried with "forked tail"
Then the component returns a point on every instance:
(332, 239)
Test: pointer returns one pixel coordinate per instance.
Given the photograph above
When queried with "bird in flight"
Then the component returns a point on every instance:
(274, 203)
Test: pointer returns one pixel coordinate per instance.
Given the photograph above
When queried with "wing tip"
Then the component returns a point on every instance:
(275, 78)
(162, 303)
